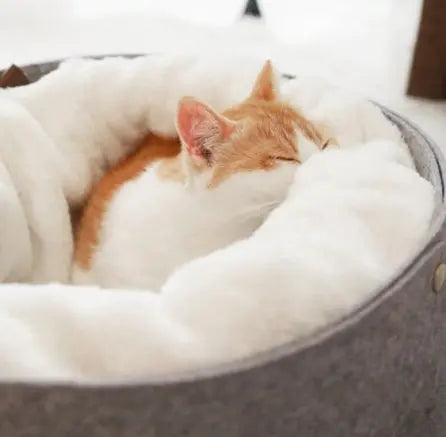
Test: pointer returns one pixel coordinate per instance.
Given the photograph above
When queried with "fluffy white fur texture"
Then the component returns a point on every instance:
(353, 216)
(153, 225)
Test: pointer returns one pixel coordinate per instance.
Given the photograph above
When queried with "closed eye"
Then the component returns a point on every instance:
(283, 158)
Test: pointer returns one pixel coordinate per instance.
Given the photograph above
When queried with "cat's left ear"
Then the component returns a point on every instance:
(265, 86)
(201, 128)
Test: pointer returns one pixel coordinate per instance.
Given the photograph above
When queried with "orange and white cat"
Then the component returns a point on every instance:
(182, 198)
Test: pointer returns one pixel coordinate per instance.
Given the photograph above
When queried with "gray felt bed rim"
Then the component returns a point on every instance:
(378, 372)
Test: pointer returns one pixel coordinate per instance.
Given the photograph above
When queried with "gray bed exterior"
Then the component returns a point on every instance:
(380, 372)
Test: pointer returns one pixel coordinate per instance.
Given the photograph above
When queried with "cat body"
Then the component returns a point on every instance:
(179, 199)
(167, 224)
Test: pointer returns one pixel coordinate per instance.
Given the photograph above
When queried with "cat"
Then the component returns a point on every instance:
(176, 199)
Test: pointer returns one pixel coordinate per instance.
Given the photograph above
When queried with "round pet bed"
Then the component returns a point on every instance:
(381, 371)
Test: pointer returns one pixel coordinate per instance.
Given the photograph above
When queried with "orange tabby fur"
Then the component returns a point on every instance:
(152, 148)
(272, 136)
(268, 136)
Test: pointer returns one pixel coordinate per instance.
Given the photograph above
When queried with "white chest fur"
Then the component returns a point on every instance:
(153, 226)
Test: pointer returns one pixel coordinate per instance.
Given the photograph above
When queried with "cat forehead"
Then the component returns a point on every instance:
(267, 121)
(261, 111)
(283, 126)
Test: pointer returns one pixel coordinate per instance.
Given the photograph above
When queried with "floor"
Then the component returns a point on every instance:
(357, 44)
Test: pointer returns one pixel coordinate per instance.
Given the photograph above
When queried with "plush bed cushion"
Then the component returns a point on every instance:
(353, 217)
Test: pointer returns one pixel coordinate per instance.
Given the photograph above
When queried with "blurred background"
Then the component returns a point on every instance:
(361, 45)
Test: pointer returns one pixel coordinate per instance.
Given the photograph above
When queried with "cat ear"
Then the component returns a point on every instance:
(201, 128)
(265, 84)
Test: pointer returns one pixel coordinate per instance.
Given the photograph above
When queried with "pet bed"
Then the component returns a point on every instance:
(365, 362)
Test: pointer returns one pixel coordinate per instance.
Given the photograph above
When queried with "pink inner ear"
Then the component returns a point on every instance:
(199, 125)
(190, 117)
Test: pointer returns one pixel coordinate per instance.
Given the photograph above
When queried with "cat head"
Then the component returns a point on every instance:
(262, 133)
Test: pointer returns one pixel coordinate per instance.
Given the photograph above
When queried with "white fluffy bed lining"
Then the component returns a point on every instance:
(352, 218)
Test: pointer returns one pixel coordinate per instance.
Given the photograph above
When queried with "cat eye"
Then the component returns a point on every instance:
(283, 158)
